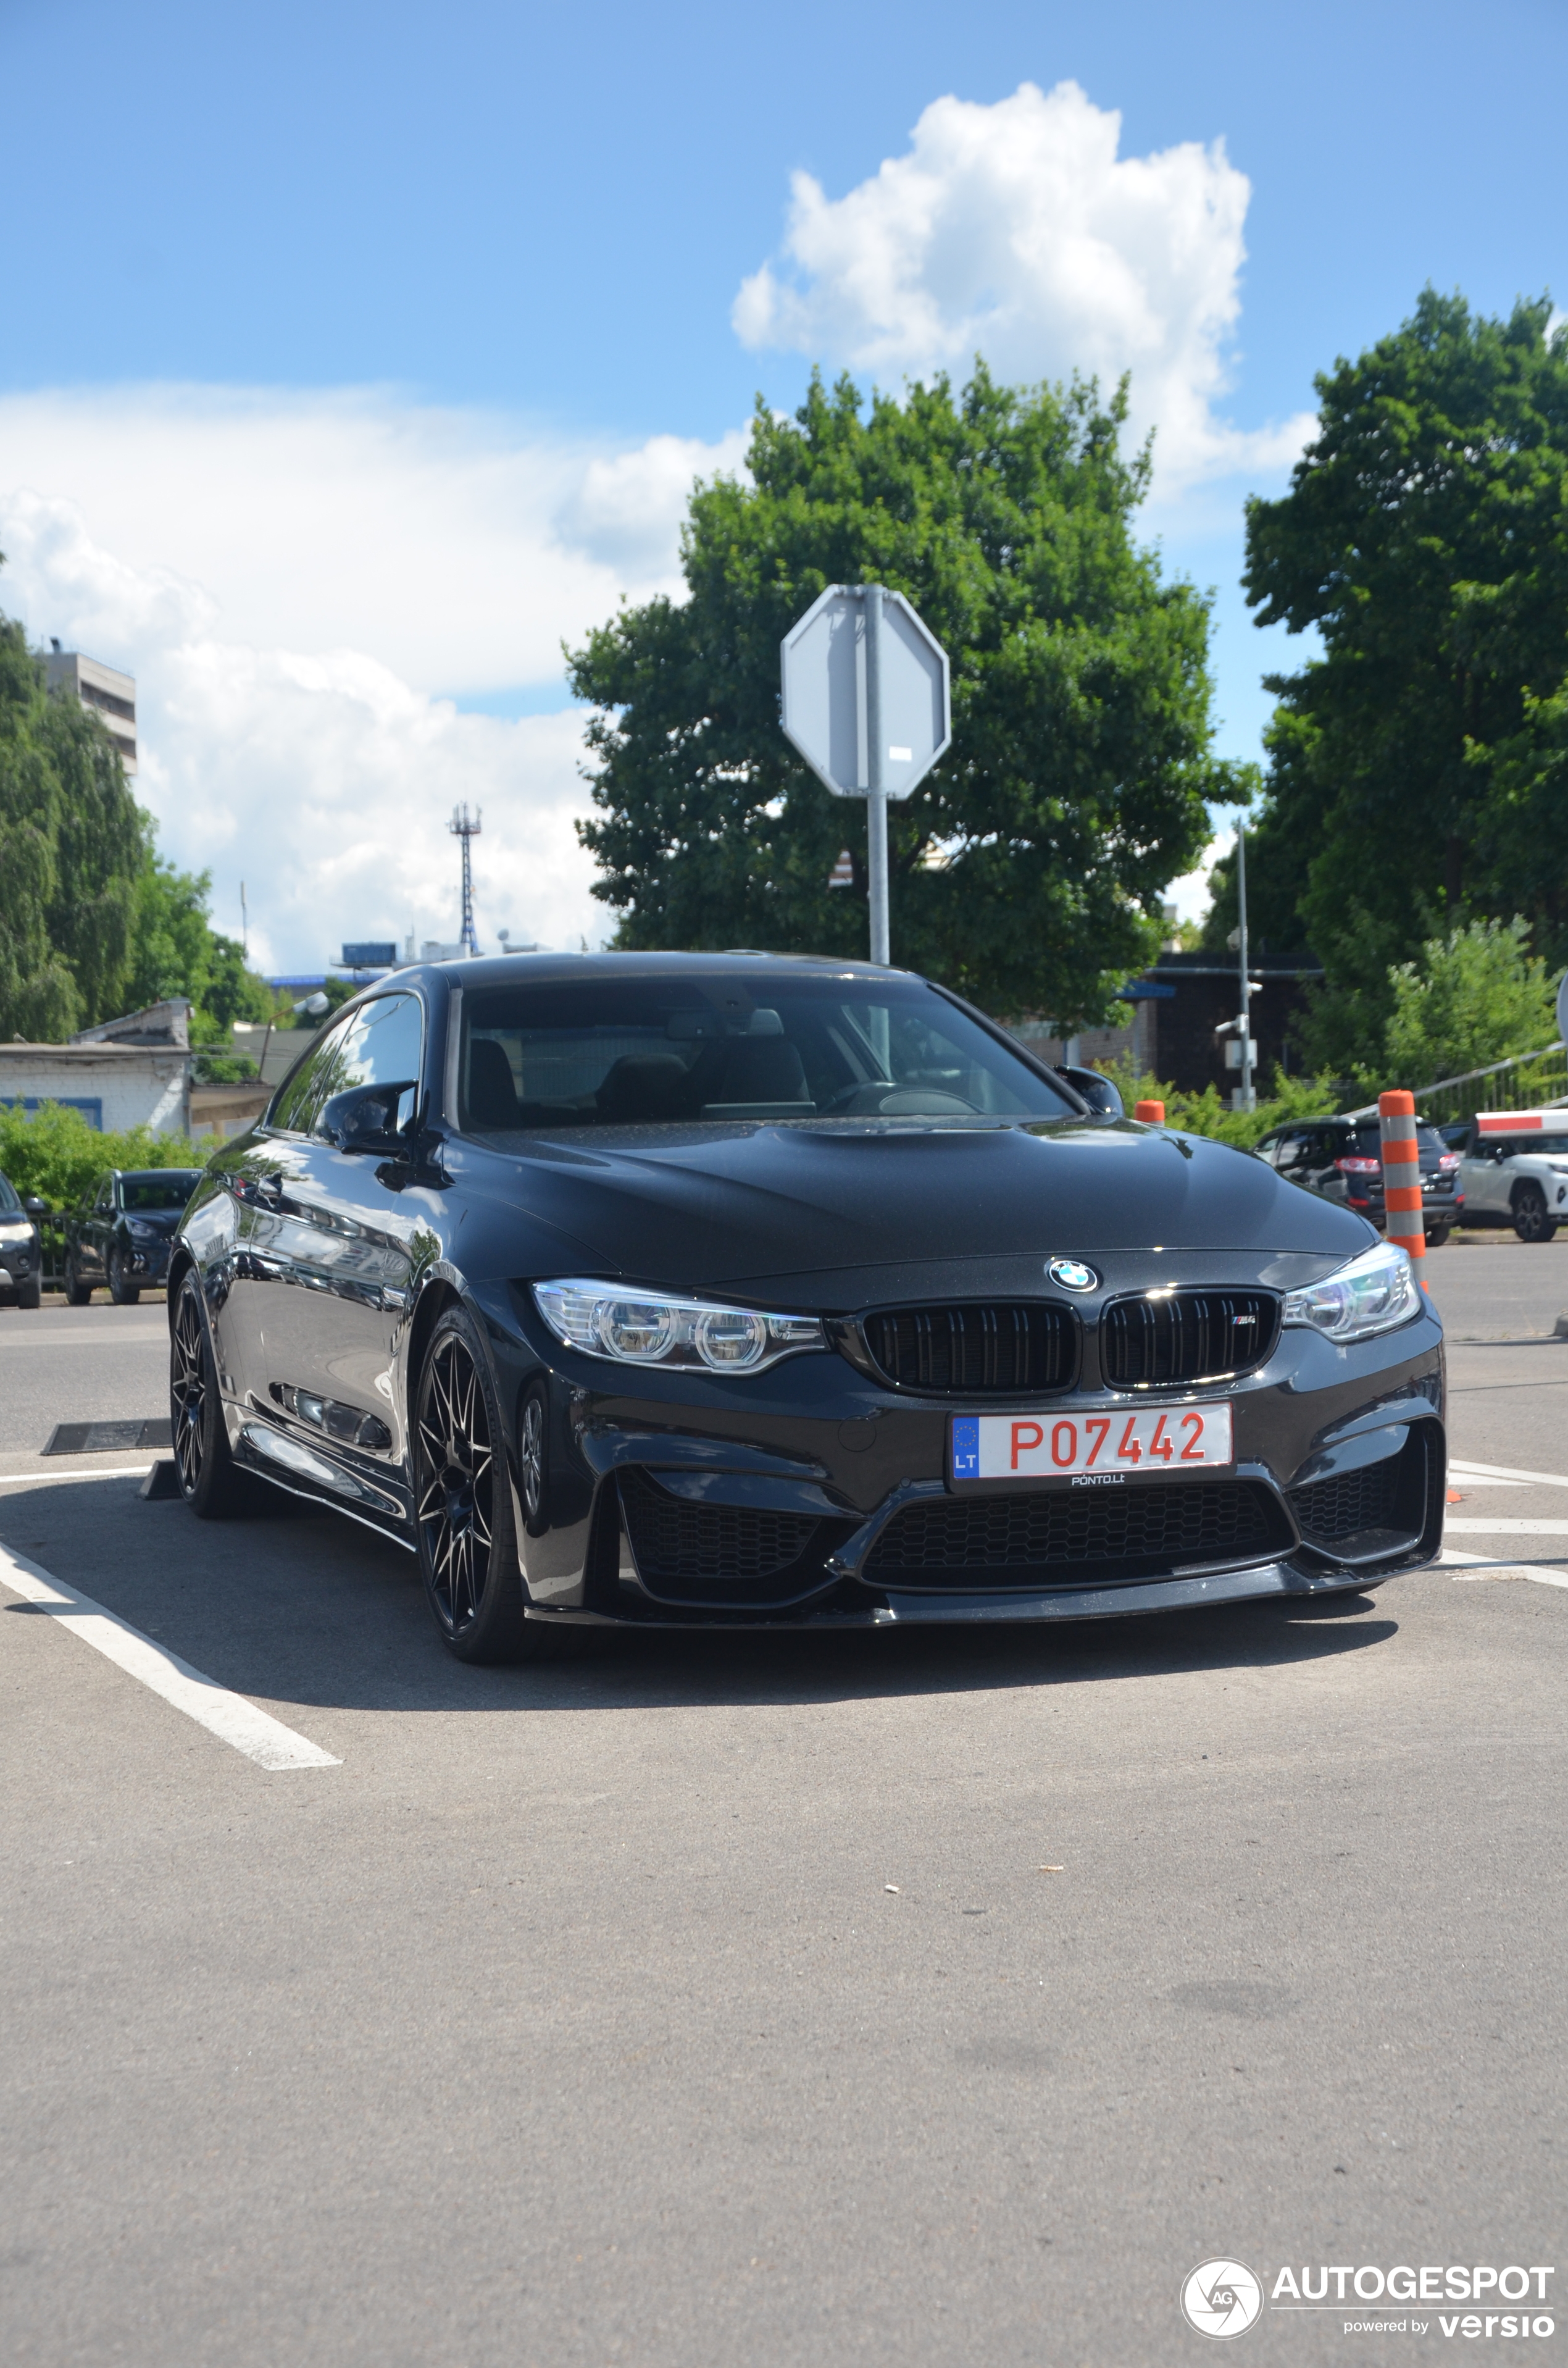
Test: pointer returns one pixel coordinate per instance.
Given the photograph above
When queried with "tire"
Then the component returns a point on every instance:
(30, 1293)
(77, 1292)
(1437, 1236)
(463, 1498)
(209, 1480)
(1530, 1220)
(121, 1289)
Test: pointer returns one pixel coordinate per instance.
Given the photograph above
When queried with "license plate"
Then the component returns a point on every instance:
(1153, 1442)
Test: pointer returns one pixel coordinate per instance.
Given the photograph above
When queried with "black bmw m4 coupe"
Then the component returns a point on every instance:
(745, 1289)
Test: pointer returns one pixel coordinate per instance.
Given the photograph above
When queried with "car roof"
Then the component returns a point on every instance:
(531, 969)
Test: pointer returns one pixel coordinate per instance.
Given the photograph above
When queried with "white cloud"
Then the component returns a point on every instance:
(1017, 231)
(294, 581)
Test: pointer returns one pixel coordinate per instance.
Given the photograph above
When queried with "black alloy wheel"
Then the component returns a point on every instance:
(1531, 1220)
(1437, 1236)
(211, 1485)
(77, 1292)
(532, 1432)
(468, 1545)
(123, 1288)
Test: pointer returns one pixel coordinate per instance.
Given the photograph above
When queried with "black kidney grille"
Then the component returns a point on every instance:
(965, 1538)
(674, 1539)
(1337, 1508)
(1187, 1335)
(998, 1349)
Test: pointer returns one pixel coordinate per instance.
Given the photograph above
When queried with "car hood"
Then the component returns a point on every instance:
(157, 1221)
(691, 1208)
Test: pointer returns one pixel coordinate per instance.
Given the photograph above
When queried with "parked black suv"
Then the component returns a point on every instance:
(1342, 1158)
(121, 1232)
(21, 1253)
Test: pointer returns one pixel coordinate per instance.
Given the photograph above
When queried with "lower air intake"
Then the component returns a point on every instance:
(1130, 1533)
(718, 1554)
(1330, 1510)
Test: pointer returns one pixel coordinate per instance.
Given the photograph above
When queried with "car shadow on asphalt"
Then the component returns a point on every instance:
(315, 1610)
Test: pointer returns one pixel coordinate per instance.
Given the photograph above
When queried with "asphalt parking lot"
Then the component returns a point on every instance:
(944, 1998)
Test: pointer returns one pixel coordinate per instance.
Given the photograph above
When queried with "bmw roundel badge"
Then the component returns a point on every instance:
(1072, 1274)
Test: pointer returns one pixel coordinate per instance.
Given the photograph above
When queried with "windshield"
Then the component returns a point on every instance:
(8, 1201)
(166, 1188)
(668, 1050)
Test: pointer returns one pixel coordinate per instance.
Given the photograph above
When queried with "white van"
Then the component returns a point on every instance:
(1513, 1171)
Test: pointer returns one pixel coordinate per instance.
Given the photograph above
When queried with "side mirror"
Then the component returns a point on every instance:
(35, 1207)
(1097, 1091)
(369, 1118)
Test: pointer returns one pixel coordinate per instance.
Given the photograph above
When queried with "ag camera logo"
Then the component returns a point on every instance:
(1221, 2299)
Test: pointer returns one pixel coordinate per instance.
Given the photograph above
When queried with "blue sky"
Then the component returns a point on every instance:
(356, 354)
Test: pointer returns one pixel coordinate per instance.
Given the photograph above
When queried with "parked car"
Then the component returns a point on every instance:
(1515, 1171)
(1342, 1158)
(121, 1232)
(21, 1250)
(664, 1289)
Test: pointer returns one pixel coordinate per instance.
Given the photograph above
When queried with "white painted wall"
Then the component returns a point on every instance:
(133, 1086)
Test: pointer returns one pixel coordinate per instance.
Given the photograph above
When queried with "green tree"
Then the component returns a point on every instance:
(1424, 538)
(93, 922)
(38, 997)
(1471, 998)
(175, 952)
(1027, 871)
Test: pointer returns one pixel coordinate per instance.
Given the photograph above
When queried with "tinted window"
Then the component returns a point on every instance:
(1369, 1143)
(378, 1044)
(642, 1050)
(8, 1201)
(163, 1189)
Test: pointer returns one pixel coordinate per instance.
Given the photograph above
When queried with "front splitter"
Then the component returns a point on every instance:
(1262, 1583)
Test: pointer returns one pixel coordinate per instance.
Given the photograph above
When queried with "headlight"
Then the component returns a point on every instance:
(16, 1229)
(1373, 1293)
(143, 1232)
(641, 1329)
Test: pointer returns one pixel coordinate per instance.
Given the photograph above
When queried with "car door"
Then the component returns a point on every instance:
(332, 1236)
(1482, 1179)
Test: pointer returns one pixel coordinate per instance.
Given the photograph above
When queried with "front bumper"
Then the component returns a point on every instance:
(148, 1261)
(789, 1499)
(19, 1262)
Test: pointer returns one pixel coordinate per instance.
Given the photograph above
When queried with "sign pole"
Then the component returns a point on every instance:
(876, 789)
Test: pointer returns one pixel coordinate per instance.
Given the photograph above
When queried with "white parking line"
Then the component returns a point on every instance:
(1483, 1566)
(1503, 1529)
(1504, 1471)
(100, 1472)
(228, 1716)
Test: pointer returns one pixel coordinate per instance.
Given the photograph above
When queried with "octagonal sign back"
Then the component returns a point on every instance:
(825, 692)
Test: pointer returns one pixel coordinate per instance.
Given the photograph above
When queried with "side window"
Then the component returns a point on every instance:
(300, 1096)
(378, 1044)
(104, 1205)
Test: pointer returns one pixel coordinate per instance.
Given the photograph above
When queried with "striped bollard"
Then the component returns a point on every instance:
(1402, 1176)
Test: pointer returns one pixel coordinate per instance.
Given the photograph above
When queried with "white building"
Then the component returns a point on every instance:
(109, 693)
(113, 1086)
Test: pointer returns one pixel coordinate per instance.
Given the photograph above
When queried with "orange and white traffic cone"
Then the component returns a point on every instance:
(1402, 1177)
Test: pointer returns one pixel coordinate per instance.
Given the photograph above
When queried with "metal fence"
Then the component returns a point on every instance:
(1529, 1081)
